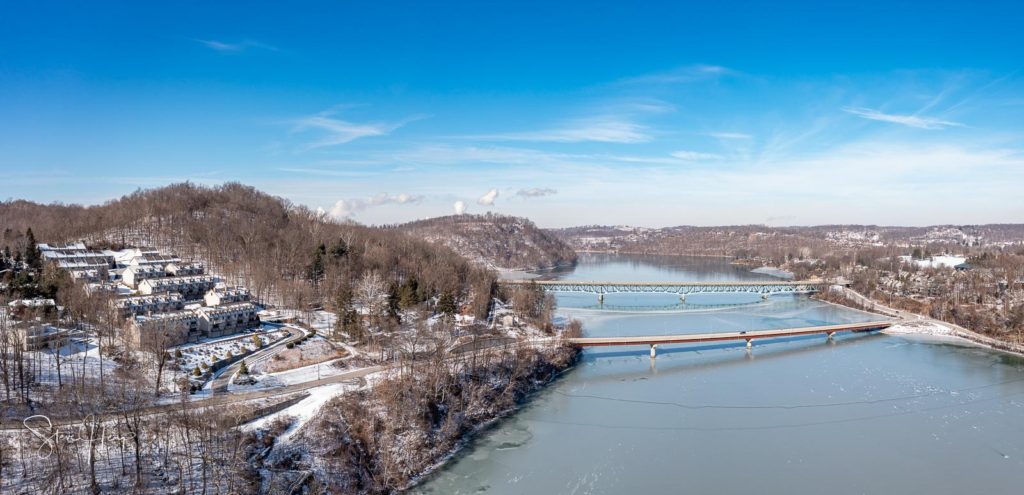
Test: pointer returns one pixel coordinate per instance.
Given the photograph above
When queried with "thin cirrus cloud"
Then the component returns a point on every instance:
(728, 135)
(915, 121)
(695, 156)
(238, 47)
(686, 74)
(335, 131)
(598, 129)
(536, 192)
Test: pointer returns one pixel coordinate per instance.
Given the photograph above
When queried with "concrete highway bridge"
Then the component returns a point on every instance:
(763, 288)
(655, 340)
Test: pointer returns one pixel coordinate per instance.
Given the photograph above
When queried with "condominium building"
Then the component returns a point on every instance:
(143, 256)
(189, 287)
(155, 303)
(135, 274)
(217, 297)
(76, 257)
(39, 336)
(184, 269)
(219, 320)
(164, 329)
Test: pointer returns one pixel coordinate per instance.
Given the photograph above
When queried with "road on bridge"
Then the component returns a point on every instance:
(749, 336)
(761, 287)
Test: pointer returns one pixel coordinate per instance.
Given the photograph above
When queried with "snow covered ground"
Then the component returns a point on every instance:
(313, 350)
(944, 261)
(323, 322)
(290, 377)
(929, 331)
(506, 274)
(80, 357)
(208, 351)
(919, 328)
(774, 272)
(302, 411)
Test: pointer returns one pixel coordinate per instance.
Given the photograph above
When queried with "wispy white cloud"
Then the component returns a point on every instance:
(536, 192)
(329, 172)
(488, 198)
(401, 199)
(695, 156)
(728, 135)
(636, 106)
(907, 120)
(459, 207)
(335, 131)
(237, 47)
(604, 129)
(687, 74)
(448, 155)
(346, 208)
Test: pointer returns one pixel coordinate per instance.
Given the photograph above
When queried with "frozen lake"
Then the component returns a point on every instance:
(862, 414)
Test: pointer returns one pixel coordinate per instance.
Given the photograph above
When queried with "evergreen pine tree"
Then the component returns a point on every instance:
(339, 249)
(446, 304)
(315, 270)
(32, 257)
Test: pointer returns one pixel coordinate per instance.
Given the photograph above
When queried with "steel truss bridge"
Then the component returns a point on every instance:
(684, 306)
(683, 289)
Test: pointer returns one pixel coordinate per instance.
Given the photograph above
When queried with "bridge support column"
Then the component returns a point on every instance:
(654, 350)
(600, 298)
(764, 297)
(750, 343)
(830, 334)
(682, 298)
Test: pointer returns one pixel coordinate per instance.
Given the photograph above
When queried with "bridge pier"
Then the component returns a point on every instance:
(600, 297)
(830, 334)
(764, 297)
(682, 298)
(654, 350)
(750, 343)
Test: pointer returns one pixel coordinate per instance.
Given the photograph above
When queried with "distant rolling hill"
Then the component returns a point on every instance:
(282, 251)
(497, 241)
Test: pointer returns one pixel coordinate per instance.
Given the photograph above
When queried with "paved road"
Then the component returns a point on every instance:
(749, 336)
(223, 378)
(222, 399)
(226, 398)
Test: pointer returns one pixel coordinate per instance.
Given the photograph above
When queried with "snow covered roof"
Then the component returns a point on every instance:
(32, 303)
(212, 311)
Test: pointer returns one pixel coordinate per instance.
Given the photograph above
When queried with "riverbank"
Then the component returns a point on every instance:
(645, 253)
(912, 323)
(409, 423)
(773, 272)
(483, 428)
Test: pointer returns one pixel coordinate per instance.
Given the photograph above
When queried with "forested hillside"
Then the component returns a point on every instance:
(285, 253)
(495, 240)
(781, 243)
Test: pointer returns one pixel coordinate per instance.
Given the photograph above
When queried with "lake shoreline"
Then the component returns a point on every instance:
(482, 428)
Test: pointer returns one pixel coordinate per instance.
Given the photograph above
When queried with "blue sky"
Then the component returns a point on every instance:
(566, 112)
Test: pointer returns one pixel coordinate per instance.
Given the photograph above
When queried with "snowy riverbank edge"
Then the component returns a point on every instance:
(483, 427)
(943, 332)
(914, 324)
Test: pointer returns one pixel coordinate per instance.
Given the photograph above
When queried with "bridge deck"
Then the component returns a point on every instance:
(725, 336)
(740, 283)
